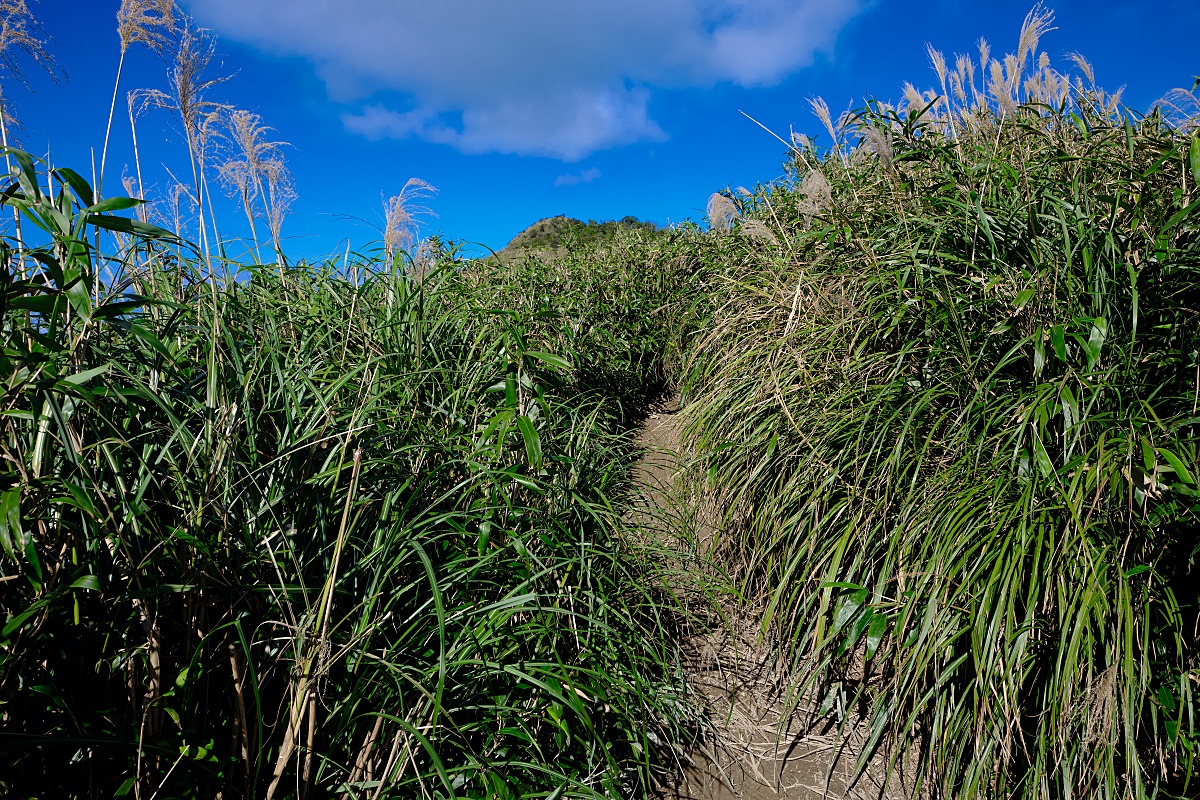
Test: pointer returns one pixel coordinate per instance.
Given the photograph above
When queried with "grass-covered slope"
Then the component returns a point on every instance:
(952, 414)
(561, 234)
(293, 536)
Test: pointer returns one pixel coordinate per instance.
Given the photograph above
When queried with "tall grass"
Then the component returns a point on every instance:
(953, 418)
(361, 543)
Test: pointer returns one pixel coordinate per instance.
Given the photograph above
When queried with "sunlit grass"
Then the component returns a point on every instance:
(952, 418)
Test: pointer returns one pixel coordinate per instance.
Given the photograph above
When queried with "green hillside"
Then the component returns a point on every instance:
(555, 234)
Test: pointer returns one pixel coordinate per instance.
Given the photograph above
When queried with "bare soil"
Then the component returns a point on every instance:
(762, 742)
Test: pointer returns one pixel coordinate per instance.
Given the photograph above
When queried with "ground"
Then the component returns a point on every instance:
(762, 744)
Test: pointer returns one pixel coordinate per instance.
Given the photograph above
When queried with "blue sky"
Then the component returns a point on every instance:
(524, 109)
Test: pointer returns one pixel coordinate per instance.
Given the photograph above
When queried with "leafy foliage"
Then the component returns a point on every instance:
(953, 418)
(297, 536)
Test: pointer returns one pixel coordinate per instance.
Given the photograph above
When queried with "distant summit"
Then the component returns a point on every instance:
(558, 233)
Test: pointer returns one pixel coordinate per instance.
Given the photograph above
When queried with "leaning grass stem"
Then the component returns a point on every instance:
(112, 108)
(316, 647)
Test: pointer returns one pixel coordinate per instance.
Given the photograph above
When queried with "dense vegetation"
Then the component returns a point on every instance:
(951, 411)
(296, 535)
(363, 529)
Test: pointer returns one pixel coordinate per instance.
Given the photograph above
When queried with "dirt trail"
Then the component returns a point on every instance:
(754, 753)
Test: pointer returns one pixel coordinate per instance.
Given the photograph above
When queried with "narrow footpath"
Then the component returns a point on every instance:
(761, 744)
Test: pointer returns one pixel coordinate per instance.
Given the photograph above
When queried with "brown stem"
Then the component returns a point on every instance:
(242, 730)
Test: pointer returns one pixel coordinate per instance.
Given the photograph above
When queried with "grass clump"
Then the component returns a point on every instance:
(952, 414)
(296, 536)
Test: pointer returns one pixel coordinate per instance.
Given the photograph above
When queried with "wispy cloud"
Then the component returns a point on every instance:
(539, 77)
(576, 178)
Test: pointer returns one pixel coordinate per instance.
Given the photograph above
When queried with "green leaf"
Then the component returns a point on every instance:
(1045, 465)
(875, 633)
(1194, 156)
(131, 226)
(114, 204)
(12, 537)
(510, 391)
(847, 608)
(1138, 570)
(1148, 459)
(153, 341)
(551, 359)
(533, 442)
(1166, 699)
(1070, 407)
(1058, 340)
(81, 187)
(116, 309)
(87, 582)
(79, 297)
(1096, 339)
(1180, 215)
(33, 565)
(80, 378)
(16, 622)
(27, 175)
(1176, 464)
(38, 303)
(1039, 353)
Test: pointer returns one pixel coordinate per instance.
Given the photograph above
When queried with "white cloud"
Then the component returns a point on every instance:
(543, 77)
(574, 179)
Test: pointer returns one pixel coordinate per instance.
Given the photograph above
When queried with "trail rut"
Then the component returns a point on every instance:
(758, 748)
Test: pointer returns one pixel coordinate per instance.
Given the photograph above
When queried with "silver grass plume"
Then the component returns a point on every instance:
(281, 194)
(721, 213)
(913, 98)
(757, 229)
(1038, 22)
(816, 196)
(821, 109)
(187, 99)
(1084, 66)
(147, 22)
(245, 173)
(22, 37)
(879, 143)
(939, 66)
(401, 212)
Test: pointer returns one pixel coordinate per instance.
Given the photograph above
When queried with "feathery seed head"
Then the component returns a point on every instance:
(757, 229)
(815, 196)
(821, 109)
(1038, 22)
(721, 213)
(21, 35)
(193, 55)
(913, 97)
(400, 215)
(1084, 66)
(877, 140)
(938, 59)
(148, 22)
(281, 195)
